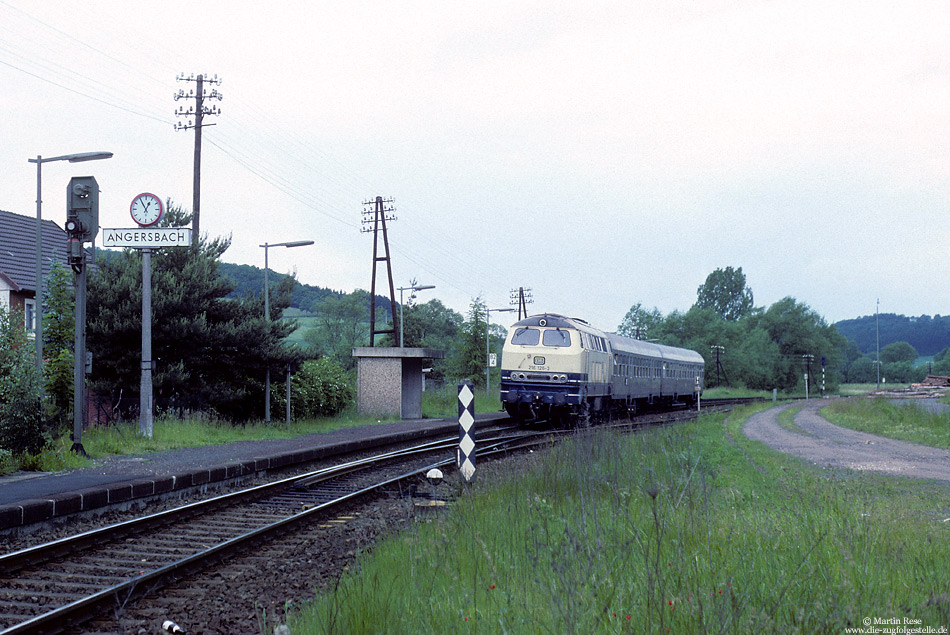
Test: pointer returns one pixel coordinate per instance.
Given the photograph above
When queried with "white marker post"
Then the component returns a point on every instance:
(699, 394)
(465, 456)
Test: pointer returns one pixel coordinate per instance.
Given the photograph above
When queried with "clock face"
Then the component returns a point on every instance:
(146, 209)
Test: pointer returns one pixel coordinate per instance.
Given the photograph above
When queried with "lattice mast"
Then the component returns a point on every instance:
(522, 298)
(382, 210)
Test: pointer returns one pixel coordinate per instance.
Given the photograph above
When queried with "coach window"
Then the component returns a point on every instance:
(526, 337)
(556, 337)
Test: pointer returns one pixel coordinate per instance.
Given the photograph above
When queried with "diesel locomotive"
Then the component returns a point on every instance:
(561, 369)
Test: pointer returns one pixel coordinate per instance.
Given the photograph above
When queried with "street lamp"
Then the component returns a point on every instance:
(488, 313)
(414, 288)
(294, 243)
(38, 308)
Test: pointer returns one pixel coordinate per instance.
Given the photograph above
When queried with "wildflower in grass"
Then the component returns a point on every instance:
(491, 586)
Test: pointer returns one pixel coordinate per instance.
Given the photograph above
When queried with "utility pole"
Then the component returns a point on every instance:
(377, 217)
(198, 111)
(877, 329)
(719, 350)
(521, 298)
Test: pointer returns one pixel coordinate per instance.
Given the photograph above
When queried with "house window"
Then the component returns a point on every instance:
(29, 311)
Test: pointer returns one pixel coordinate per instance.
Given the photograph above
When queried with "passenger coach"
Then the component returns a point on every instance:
(560, 368)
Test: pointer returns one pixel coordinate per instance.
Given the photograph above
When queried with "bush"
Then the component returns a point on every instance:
(21, 421)
(320, 388)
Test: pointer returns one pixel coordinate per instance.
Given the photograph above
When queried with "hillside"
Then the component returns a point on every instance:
(929, 335)
(250, 279)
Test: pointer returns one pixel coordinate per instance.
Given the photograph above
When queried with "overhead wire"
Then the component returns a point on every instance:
(252, 147)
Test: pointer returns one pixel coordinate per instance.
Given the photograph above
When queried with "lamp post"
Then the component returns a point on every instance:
(294, 243)
(877, 329)
(415, 287)
(488, 313)
(38, 308)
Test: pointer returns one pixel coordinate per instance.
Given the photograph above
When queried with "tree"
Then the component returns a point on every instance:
(319, 389)
(639, 323)
(58, 340)
(726, 293)
(342, 324)
(433, 325)
(861, 371)
(468, 361)
(898, 352)
(798, 331)
(21, 424)
(210, 351)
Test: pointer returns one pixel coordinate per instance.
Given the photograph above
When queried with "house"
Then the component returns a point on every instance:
(18, 260)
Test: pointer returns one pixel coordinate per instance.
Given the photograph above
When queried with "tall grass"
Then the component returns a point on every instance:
(443, 402)
(880, 416)
(169, 433)
(683, 529)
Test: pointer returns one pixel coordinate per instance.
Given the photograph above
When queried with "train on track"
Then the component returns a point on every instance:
(562, 370)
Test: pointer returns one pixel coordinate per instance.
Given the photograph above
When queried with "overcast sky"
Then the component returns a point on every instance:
(598, 153)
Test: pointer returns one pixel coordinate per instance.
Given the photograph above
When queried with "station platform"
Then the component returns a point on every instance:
(32, 497)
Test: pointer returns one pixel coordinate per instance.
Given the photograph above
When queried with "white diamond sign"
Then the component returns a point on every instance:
(466, 449)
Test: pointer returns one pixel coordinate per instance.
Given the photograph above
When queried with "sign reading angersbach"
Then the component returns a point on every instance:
(147, 237)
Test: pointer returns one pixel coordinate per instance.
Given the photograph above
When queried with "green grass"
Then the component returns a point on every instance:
(684, 529)
(848, 390)
(726, 392)
(170, 433)
(879, 416)
(786, 420)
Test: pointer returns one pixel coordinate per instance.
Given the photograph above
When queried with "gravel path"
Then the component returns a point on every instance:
(828, 445)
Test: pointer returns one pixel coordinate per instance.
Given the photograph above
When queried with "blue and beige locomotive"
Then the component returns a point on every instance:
(561, 369)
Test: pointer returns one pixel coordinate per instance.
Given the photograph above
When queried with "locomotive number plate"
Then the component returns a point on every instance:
(539, 360)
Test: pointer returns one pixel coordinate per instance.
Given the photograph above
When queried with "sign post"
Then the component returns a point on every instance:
(146, 413)
(147, 210)
(465, 457)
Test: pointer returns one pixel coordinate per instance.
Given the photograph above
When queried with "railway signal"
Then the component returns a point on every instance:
(82, 225)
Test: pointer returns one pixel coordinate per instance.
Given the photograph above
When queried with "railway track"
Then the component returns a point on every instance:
(58, 585)
(55, 586)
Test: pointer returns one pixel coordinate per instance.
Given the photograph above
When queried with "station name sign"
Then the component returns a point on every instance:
(147, 237)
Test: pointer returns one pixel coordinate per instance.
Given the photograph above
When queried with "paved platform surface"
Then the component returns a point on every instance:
(29, 497)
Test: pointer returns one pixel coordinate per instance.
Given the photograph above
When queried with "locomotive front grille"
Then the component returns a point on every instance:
(555, 378)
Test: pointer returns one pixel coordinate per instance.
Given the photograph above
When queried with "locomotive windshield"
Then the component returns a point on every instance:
(526, 337)
(557, 338)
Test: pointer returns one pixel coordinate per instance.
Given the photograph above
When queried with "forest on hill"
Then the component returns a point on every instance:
(928, 335)
(250, 279)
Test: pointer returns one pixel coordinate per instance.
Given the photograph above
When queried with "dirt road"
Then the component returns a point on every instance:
(824, 444)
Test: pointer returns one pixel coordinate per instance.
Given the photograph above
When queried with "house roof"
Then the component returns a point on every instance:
(18, 248)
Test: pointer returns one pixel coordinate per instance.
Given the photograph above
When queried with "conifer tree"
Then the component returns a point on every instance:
(210, 352)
